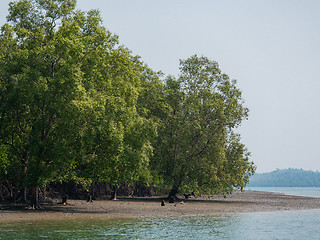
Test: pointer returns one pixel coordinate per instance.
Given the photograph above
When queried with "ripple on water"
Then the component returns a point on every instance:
(264, 225)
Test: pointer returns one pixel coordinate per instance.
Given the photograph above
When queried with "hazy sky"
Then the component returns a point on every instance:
(272, 47)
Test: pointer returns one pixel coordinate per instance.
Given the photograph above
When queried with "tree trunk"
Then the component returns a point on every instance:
(89, 198)
(64, 198)
(91, 192)
(114, 193)
(25, 195)
(175, 189)
(35, 198)
(1, 196)
(173, 194)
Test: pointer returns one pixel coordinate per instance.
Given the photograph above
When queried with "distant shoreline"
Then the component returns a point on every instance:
(290, 177)
(247, 201)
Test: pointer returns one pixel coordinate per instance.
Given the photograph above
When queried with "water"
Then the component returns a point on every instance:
(296, 191)
(267, 225)
(259, 225)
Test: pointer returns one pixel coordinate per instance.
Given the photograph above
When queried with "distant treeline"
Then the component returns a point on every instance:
(286, 178)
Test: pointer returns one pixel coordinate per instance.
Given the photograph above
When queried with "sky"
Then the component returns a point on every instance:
(271, 47)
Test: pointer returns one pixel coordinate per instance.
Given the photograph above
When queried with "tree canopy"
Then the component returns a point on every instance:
(197, 148)
(77, 105)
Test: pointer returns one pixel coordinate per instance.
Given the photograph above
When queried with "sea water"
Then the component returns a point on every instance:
(265, 225)
(258, 225)
(295, 191)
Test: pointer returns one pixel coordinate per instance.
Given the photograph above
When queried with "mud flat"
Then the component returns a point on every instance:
(248, 201)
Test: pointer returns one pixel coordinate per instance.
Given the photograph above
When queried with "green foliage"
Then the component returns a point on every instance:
(76, 105)
(197, 149)
(69, 96)
(286, 178)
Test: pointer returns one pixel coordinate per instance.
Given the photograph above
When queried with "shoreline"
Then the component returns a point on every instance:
(138, 207)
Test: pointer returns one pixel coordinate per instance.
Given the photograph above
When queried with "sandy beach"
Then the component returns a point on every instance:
(125, 207)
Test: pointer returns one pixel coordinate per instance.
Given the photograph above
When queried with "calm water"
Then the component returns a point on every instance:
(270, 225)
(265, 225)
(297, 191)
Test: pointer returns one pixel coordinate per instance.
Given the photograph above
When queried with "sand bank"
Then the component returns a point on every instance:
(248, 201)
